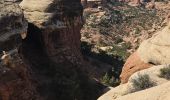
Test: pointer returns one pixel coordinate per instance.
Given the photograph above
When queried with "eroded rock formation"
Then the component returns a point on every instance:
(53, 42)
(44, 61)
(125, 91)
(60, 23)
(132, 65)
(15, 82)
(12, 25)
(153, 51)
(156, 49)
(160, 92)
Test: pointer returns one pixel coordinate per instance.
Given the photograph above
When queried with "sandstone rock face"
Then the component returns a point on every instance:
(12, 24)
(54, 56)
(15, 83)
(60, 23)
(156, 49)
(132, 65)
(160, 92)
(15, 80)
(122, 91)
(43, 59)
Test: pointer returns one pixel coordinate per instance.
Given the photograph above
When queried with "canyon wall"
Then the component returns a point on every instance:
(15, 83)
(42, 58)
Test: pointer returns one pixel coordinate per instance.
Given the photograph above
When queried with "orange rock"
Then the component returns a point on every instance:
(132, 65)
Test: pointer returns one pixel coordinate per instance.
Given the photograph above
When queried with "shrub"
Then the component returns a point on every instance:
(142, 82)
(121, 51)
(110, 81)
(165, 73)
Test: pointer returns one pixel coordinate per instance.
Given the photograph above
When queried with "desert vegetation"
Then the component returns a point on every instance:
(165, 72)
(142, 82)
(109, 80)
(118, 27)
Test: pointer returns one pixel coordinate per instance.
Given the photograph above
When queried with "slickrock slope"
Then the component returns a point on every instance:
(124, 90)
(160, 92)
(156, 49)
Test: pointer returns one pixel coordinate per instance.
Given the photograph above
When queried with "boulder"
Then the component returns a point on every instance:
(156, 49)
(132, 65)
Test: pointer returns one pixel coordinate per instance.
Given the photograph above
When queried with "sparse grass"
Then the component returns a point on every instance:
(165, 73)
(142, 82)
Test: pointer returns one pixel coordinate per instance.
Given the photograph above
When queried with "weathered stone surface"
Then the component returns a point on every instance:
(54, 56)
(156, 49)
(12, 24)
(15, 83)
(60, 22)
(160, 92)
(132, 65)
(122, 90)
(153, 72)
(46, 13)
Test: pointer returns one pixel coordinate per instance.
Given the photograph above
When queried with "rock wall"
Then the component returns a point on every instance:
(42, 58)
(60, 23)
(12, 24)
(15, 82)
(52, 50)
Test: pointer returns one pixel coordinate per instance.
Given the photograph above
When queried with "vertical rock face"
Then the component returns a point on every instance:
(60, 22)
(44, 60)
(15, 83)
(12, 24)
(52, 50)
